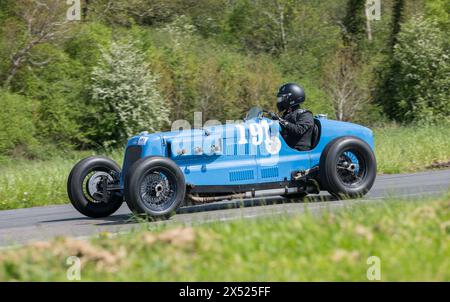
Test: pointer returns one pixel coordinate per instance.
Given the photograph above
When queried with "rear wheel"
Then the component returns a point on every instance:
(154, 186)
(85, 187)
(347, 168)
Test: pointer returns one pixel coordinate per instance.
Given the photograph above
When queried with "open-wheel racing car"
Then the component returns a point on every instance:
(244, 159)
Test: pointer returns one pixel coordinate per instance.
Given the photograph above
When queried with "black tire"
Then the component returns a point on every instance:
(141, 184)
(79, 195)
(347, 168)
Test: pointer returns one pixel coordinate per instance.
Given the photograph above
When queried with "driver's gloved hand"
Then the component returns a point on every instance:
(274, 116)
(282, 121)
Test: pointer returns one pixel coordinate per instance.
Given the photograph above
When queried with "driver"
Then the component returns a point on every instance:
(296, 124)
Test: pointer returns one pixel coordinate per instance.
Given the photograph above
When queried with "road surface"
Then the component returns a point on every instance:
(43, 223)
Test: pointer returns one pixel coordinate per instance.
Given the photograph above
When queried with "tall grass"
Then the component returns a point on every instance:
(25, 183)
(411, 240)
(409, 149)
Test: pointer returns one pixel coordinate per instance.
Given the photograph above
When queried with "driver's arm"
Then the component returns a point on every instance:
(303, 123)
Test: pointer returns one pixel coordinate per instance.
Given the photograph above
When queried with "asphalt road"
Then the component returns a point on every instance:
(42, 223)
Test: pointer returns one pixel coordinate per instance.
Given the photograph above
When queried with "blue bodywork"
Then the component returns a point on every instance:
(238, 153)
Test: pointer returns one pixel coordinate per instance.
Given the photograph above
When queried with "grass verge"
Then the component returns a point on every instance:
(411, 239)
(25, 183)
(410, 149)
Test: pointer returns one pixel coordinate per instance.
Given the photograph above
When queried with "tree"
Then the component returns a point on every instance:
(354, 23)
(125, 93)
(17, 135)
(278, 17)
(438, 10)
(44, 22)
(386, 90)
(422, 79)
(129, 12)
(397, 18)
(344, 83)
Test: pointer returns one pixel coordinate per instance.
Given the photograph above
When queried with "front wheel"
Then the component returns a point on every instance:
(85, 187)
(348, 168)
(154, 186)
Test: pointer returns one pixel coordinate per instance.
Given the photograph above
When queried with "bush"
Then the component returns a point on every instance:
(422, 81)
(438, 10)
(16, 124)
(201, 75)
(56, 87)
(86, 42)
(124, 91)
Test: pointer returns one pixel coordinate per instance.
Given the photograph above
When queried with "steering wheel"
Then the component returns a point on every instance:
(271, 115)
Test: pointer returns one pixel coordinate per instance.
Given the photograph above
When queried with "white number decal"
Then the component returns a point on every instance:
(260, 133)
(241, 134)
(257, 133)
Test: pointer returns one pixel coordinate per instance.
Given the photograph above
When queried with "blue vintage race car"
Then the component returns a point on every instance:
(243, 159)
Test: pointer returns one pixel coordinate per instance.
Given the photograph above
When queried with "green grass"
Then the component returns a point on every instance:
(411, 239)
(25, 183)
(411, 149)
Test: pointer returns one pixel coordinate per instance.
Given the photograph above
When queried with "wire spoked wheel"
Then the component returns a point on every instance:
(351, 168)
(347, 168)
(154, 186)
(157, 189)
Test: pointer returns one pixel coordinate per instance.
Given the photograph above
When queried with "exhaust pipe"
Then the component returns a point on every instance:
(252, 194)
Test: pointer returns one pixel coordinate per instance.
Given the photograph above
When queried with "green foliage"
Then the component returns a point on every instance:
(124, 90)
(55, 86)
(410, 238)
(16, 124)
(412, 84)
(409, 149)
(199, 75)
(129, 12)
(397, 18)
(439, 10)
(11, 40)
(422, 78)
(86, 42)
(245, 26)
(25, 183)
(221, 57)
(354, 22)
(6, 8)
(30, 183)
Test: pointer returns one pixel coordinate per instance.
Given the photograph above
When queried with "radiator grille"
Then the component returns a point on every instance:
(242, 175)
(132, 154)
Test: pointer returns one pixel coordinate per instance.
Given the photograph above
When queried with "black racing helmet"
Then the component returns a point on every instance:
(290, 95)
